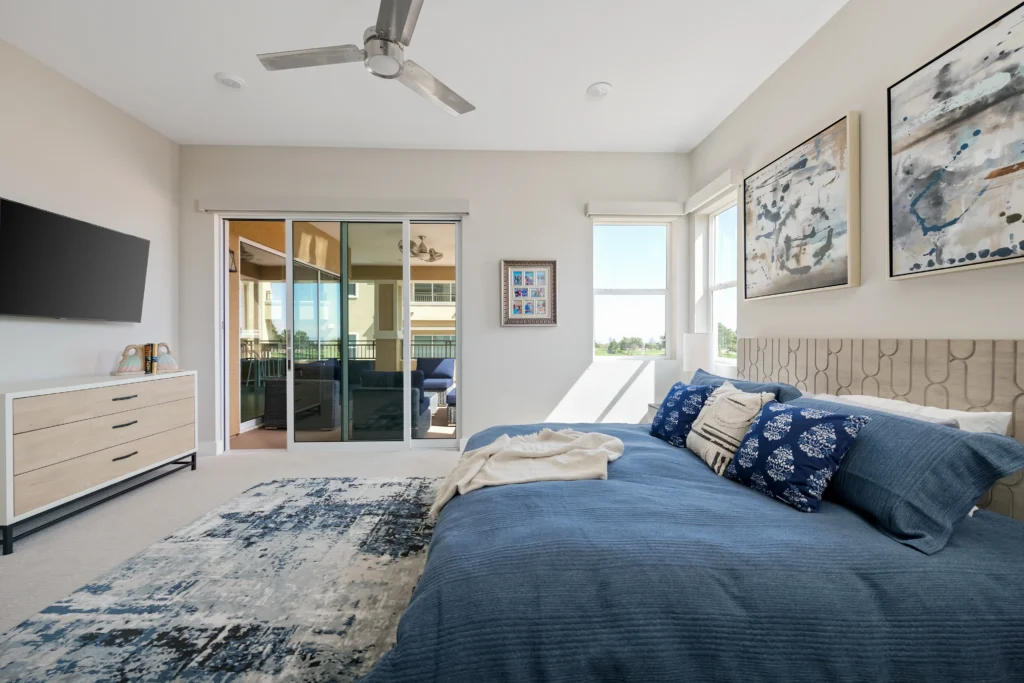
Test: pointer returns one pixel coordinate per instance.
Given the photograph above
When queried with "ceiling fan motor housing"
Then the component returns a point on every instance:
(384, 58)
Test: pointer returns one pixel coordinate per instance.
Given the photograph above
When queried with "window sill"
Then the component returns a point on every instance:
(618, 357)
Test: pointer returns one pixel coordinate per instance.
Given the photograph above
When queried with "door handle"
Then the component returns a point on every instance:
(124, 457)
(125, 398)
(126, 424)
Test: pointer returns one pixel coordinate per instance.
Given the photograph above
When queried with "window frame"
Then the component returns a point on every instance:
(713, 284)
(354, 292)
(666, 353)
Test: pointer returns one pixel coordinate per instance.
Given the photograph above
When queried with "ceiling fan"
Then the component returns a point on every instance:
(382, 54)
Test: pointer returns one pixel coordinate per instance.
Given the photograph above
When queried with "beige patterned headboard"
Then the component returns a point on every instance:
(983, 376)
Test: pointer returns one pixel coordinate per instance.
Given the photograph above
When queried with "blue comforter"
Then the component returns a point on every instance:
(666, 572)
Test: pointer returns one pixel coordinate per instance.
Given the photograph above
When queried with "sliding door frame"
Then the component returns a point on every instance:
(289, 219)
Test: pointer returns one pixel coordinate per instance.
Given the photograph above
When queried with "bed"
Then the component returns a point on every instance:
(667, 572)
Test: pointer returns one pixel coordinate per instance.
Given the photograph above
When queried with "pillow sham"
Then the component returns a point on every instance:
(680, 408)
(791, 453)
(989, 423)
(725, 418)
(782, 392)
(915, 480)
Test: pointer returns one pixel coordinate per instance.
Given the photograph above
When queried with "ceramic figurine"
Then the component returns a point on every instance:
(165, 360)
(131, 362)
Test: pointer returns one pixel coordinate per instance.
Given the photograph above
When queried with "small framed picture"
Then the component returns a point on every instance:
(529, 291)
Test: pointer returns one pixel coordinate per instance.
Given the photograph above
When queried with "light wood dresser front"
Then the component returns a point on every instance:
(63, 442)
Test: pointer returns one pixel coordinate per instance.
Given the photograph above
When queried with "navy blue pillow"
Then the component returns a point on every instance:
(790, 453)
(783, 392)
(916, 479)
(680, 408)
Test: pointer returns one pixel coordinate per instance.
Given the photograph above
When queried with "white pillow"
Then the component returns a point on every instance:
(722, 424)
(991, 423)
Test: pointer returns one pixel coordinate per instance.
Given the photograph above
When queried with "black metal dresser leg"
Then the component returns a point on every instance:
(8, 532)
(194, 461)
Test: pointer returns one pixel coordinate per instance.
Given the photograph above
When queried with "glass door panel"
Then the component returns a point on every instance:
(374, 333)
(433, 317)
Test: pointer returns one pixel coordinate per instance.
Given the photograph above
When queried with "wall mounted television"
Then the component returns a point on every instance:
(57, 267)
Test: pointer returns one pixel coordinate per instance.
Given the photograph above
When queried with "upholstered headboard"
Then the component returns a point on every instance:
(959, 374)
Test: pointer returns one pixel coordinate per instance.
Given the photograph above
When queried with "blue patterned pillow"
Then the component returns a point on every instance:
(790, 453)
(680, 408)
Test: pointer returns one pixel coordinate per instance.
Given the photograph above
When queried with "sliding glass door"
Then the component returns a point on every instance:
(363, 314)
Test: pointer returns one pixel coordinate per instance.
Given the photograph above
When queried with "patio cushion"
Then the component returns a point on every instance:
(437, 368)
(437, 384)
(451, 396)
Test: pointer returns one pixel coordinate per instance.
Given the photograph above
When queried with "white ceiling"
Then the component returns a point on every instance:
(678, 68)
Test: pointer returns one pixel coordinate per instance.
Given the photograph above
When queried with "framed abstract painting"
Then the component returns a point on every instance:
(801, 217)
(529, 293)
(956, 156)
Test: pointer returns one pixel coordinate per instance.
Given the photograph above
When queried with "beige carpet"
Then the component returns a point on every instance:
(56, 561)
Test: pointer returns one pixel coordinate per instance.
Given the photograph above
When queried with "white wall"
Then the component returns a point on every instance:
(848, 66)
(65, 150)
(522, 205)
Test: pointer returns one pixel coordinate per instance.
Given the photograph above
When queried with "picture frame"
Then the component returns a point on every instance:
(798, 237)
(529, 293)
(956, 191)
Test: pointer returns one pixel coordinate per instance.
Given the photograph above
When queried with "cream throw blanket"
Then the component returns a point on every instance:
(564, 455)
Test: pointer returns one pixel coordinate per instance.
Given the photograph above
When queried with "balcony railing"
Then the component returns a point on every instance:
(433, 297)
(305, 350)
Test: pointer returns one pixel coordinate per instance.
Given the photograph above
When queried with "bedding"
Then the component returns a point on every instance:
(675, 416)
(782, 391)
(666, 572)
(915, 479)
(983, 422)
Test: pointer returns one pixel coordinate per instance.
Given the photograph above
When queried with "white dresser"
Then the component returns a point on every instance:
(66, 439)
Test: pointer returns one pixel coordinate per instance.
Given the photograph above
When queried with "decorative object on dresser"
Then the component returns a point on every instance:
(529, 293)
(956, 184)
(801, 225)
(65, 440)
(959, 374)
(133, 361)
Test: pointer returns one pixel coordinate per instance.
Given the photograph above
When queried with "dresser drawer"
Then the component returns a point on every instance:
(44, 447)
(48, 484)
(49, 410)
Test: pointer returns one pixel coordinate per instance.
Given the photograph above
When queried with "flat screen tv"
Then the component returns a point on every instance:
(57, 267)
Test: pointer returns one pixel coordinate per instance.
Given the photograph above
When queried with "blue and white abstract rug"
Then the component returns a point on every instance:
(294, 580)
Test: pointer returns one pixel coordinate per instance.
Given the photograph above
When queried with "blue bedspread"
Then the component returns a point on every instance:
(666, 572)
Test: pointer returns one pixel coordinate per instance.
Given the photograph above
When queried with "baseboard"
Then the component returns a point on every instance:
(211, 448)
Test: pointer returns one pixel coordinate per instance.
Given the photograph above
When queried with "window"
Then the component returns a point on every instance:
(353, 290)
(722, 280)
(630, 290)
(433, 292)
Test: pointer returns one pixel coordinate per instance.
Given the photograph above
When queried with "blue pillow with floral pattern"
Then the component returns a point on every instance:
(790, 453)
(680, 408)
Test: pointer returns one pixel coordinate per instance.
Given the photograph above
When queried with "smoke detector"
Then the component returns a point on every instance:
(229, 80)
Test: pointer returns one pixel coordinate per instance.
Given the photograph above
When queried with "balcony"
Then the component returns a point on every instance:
(305, 350)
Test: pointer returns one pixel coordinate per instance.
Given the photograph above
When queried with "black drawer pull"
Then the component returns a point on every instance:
(125, 457)
(125, 398)
(126, 424)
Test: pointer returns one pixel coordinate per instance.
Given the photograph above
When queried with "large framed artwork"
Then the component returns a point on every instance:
(529, 293)
(956, 156)
(801, 217)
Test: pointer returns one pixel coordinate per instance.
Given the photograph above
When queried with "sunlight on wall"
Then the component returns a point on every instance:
(616, 391)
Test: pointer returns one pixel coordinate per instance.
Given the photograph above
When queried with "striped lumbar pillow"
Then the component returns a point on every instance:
(723, 422)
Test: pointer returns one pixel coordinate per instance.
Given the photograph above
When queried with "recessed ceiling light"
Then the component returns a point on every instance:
(229, 80)
(599, 89)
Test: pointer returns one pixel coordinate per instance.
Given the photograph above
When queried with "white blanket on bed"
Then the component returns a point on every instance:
(564, 455)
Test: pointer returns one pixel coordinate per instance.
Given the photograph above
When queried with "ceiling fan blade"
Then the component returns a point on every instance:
(317, 56)
(419, 79)
(396, 19)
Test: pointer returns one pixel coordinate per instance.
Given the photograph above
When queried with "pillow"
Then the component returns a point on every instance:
(913, 479)
(725, 418)
(791, 453)
(991, 423)
(680, 408)
(783, 392)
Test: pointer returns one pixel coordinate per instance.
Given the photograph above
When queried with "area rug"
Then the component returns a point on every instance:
(294, 580)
